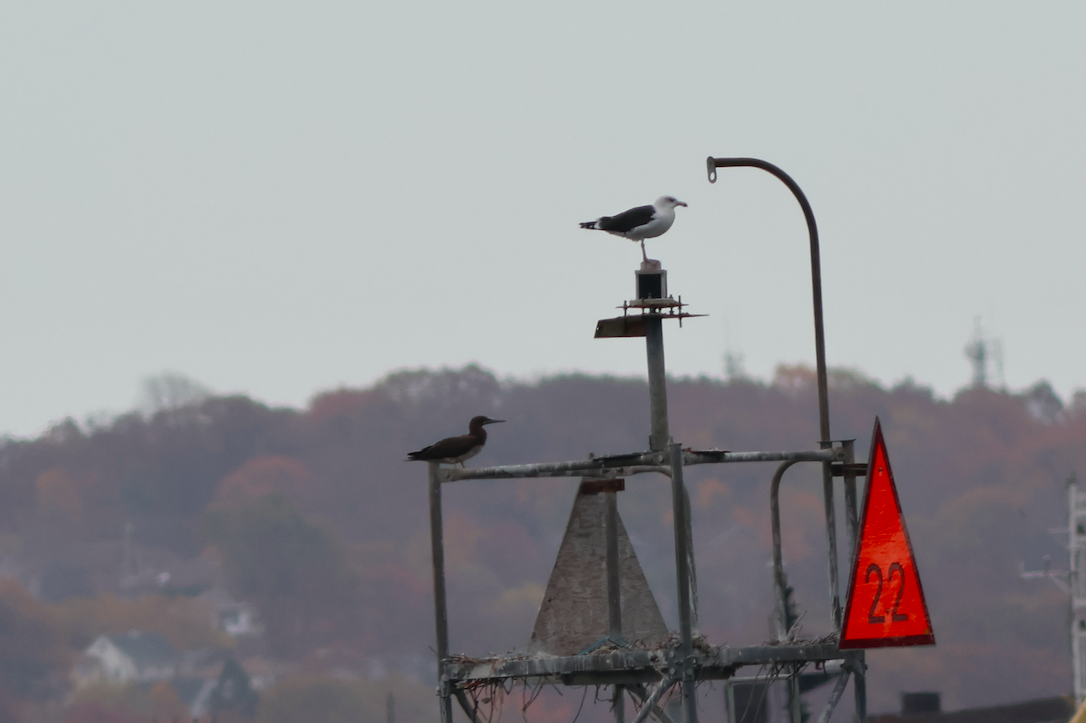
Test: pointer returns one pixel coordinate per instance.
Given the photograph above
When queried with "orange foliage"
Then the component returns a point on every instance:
(95, 711)
(966, 468)
(125, 703)
(462, 534)
(57, 496)
(261, 476)
(187, 623)
(802, 526)
(165, 701)
(34, 659)
(794, 378)
(711, 491)
(339, 403)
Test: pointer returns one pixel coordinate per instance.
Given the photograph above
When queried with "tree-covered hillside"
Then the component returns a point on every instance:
(314, 516)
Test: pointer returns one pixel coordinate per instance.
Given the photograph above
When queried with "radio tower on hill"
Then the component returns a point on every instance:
(980, 350)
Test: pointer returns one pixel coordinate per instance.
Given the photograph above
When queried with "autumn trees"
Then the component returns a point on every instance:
(314, 516)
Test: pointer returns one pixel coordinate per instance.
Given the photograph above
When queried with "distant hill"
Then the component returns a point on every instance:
(316, 517)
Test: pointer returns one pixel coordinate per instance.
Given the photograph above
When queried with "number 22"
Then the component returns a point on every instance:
(894, 615)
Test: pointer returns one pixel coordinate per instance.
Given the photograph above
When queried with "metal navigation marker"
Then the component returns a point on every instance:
(886, 606)
(599, 624)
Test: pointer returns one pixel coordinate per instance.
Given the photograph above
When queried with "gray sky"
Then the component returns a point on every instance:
(279, 198)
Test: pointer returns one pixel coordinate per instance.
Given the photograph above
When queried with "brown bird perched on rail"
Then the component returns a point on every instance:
(454, 450)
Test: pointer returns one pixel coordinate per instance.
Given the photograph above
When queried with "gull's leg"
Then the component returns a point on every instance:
(643, 254)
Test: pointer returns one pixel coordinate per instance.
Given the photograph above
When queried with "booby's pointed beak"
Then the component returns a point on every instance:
(493, 421)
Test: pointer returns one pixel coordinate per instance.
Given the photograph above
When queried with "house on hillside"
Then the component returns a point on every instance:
(233, 617)
(131, 656)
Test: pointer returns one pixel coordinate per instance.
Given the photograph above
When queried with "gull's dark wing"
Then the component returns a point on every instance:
(627, 220)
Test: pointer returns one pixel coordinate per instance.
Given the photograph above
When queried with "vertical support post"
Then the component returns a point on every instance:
(659, 435)
(831, 540)
(778, 556)
(852, 526)
(683, 576)
(614, 593)
(852, 522)
(690, 556)
(390, 709)
(618, 704)
(441, 612)
(1076, 542)
(795, 703)
(835, 697)
(614, 577)
(859, 684)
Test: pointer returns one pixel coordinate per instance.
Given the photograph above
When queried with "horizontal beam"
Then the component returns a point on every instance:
(627, 465)
(770, 654)
(631, 666)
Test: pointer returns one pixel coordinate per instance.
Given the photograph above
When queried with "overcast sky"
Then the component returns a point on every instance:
(281, 198)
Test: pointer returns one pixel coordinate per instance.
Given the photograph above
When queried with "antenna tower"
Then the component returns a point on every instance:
(980, 350)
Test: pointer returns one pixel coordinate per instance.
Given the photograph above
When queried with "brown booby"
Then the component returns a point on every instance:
(638, 224)
(454, 450)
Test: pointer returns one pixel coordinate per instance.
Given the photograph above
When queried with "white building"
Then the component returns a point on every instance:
(132, 656)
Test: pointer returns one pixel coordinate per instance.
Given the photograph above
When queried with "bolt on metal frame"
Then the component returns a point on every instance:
(632, 669)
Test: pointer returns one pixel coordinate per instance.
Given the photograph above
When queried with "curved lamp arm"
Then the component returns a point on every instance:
(820, 359)
(816, 277)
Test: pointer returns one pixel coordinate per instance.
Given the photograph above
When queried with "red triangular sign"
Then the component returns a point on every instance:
(886, 604)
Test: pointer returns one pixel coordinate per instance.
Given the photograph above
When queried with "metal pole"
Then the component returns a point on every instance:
(820, 354)
(614, 593)
(852, 522)
(659, 435)
(816, 274)
(835, 696)
(795, 710)
(654, 697)
(614, 578)
(618, 704)
(859, 684)
(690, 555)
(831, 543)
(1075, 544)
(470, 710)
(852, 526)
(778, 556)
(441, 613)
(639, 692)
(685, 664)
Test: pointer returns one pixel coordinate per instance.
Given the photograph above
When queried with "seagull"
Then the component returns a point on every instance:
(454, 450)
(639, 223)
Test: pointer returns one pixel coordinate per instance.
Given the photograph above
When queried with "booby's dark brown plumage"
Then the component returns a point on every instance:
(454, 450)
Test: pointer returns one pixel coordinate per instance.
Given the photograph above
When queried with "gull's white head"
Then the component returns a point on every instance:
(668, 202)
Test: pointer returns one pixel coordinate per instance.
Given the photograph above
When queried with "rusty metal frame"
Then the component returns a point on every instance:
(683, 662)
